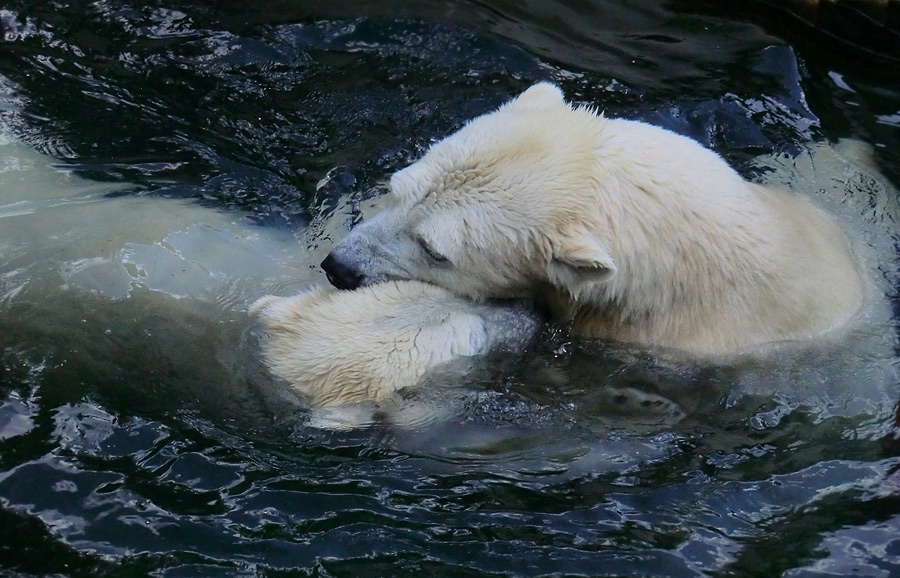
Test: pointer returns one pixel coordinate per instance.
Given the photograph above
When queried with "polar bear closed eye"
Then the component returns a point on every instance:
(625, 230)
(344, 347)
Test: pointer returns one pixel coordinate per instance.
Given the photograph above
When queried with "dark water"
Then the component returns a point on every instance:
(139, 435)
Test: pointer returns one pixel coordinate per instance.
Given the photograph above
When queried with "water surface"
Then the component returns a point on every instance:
(163, 165)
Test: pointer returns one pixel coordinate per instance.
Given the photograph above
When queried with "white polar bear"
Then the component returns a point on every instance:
(625, 230)
(343, 347)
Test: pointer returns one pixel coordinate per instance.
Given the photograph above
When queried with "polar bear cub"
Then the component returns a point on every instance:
(345, 347)
(625, 230)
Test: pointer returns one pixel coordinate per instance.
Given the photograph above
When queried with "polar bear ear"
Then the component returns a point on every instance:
(578, 263)
(541, 95)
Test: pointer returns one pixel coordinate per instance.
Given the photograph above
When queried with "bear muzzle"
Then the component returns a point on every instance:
(341, 275)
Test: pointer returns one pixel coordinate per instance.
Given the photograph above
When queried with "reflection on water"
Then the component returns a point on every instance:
(214, 155)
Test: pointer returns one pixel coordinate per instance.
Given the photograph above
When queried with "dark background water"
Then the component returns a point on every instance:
(164, 458)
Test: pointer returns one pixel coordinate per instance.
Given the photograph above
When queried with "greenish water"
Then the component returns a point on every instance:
(163, 164)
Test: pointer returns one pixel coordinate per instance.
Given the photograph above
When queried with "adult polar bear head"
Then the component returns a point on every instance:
(628, 231)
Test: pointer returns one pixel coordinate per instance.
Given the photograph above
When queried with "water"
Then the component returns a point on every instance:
(162, 166)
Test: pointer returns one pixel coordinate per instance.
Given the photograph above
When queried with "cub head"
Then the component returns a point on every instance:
(501, 209)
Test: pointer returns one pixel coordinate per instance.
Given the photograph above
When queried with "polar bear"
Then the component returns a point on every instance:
(624, 230)
(340, 347)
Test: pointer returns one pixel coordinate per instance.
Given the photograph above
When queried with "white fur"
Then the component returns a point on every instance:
(625, 230)
(344, 347)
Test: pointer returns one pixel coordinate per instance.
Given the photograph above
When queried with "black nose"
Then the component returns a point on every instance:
(339, 274)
